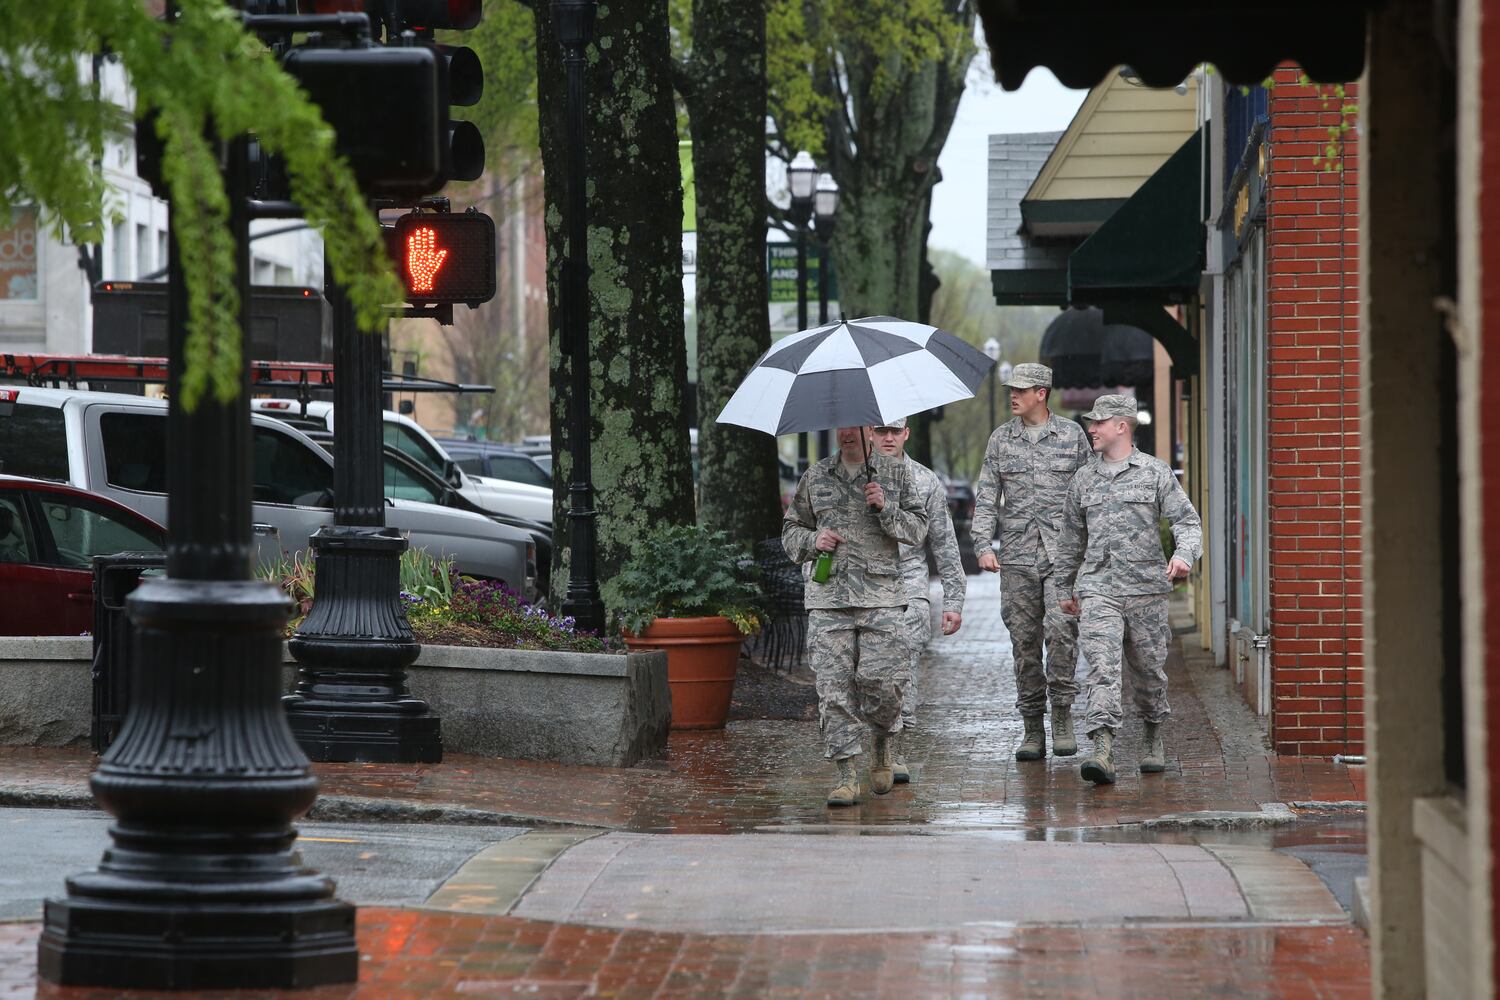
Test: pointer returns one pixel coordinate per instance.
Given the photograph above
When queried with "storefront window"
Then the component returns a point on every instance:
(18, 256)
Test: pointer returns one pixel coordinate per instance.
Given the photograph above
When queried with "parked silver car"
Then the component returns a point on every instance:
(115, 444)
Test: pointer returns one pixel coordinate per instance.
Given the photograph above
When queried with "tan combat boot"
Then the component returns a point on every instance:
(846, 792)
(1099, 766)
(1034, 743)
(899, 770)
(882, 773)
(1064, 743)
(1155, 759)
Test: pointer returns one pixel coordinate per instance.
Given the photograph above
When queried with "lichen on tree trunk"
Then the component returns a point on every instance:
(642, 471)
(723, 83)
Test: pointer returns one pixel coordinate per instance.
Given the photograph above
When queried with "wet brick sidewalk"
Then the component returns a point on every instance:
(771, 773)
(409, 953)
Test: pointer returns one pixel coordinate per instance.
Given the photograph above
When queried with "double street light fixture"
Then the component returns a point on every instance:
(801, 176)
(825, 211)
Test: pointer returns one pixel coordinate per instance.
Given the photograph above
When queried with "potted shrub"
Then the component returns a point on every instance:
(691, 593)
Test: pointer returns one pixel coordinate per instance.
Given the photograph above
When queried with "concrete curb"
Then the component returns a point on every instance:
(328, 809)
(1343, 806)
(1270, 814)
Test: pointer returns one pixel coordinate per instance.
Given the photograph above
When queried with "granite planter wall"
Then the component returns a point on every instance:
(573, 708)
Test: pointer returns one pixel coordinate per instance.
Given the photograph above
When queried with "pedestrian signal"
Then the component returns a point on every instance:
(445, 257)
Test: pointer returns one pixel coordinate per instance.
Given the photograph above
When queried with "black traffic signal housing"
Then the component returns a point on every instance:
(445, 257)
(459, 80)
(383, 104)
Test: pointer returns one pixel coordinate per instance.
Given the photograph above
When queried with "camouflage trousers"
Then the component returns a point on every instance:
(1029, 607)
(1133, 630)
(917, 627)
(861, 661)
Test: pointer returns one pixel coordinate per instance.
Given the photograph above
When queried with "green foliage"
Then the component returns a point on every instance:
(819, 52)
(297, 576)
(684, 571)
(427, 577)
(203, 75)
(445, 608)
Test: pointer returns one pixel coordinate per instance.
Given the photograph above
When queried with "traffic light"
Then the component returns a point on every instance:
(445, 257)
(459, 80)
(383, 104)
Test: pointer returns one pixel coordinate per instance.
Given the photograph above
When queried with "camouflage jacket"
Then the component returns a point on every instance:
(1110, 542)
(1034, 479)
(866, 565)
(941, 541)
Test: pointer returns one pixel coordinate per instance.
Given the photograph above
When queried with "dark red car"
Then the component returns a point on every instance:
(49, 535)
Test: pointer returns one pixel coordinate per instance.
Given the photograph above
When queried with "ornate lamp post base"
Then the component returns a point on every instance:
(351, 702)
(202, 888)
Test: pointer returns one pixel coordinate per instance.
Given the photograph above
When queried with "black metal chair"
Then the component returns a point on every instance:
(781, 643)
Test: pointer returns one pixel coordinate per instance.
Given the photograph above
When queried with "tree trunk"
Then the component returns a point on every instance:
(883, 142)
(642, 472)
(723, 83)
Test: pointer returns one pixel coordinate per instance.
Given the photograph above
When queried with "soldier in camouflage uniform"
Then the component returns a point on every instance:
(890, 439)
(854, 620)
(1031, 459)
(1110, 564)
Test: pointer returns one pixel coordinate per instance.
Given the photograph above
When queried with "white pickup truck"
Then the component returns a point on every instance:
(115, 444)
(498, 496)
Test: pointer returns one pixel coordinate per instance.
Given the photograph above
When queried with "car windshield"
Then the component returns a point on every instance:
(409, 442)
(518, 469)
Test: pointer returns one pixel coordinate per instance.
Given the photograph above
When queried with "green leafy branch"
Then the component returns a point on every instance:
(206, 77)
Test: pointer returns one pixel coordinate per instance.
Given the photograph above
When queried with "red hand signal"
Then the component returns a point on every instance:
(423, 258)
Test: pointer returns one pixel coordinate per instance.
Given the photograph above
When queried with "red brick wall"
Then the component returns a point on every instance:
(1312, 304)
(1489, 383)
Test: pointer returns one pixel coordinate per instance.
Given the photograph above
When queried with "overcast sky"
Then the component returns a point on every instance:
(958, 202)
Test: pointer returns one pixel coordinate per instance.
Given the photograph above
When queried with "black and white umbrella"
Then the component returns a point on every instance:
(855, 373)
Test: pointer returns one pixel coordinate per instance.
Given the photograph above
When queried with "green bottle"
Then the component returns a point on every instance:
(823, 568)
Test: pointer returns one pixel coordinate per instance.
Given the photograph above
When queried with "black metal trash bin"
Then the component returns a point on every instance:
(114, 578)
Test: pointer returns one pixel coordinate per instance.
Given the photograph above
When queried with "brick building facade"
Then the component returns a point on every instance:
(1312, 418)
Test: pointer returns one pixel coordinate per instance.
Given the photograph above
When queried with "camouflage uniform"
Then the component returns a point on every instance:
(854, 621)
(943, 543)
(1110, 558)
(1034, 478)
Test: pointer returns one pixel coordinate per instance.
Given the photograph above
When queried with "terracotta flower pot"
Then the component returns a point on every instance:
(702, 657)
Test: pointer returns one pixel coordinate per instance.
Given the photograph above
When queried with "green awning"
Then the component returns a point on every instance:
(1031, 287)
(1152, 247)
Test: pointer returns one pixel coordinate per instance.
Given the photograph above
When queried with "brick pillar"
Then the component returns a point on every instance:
(1312, 413)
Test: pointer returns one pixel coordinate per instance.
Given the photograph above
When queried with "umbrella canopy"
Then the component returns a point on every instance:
(855, 373)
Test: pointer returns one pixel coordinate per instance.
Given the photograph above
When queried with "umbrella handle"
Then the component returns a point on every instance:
(869, 469)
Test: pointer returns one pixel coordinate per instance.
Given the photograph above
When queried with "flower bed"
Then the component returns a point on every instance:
(447, 609)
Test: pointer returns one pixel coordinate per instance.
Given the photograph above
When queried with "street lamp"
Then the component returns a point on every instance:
(801, 175)
(574, 23)
(825, 212)
(1004, 371)
(992, 351)
(203, 888)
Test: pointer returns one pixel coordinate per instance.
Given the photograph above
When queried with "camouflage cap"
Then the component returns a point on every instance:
(899, 423)
(1112, 406)
(1029, 375)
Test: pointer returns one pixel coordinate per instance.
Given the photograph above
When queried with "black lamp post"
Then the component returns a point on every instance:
(992, 351)
(573, 21)
(202, 888)
(801, 175)
(352, 702)
(825, 213)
